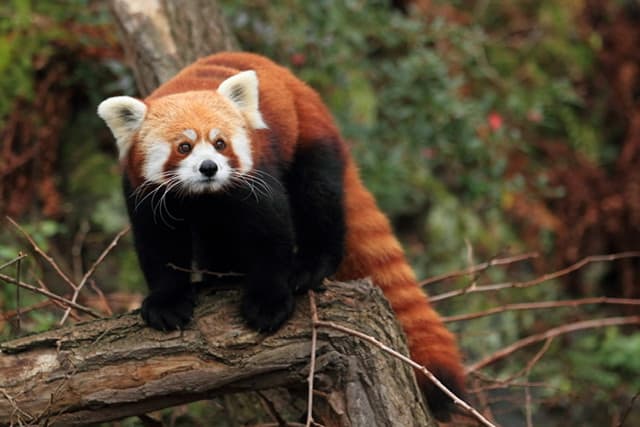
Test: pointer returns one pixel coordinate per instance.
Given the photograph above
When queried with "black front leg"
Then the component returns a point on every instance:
(268, 226)
(268, 301)
(162, 239)
(315, 185)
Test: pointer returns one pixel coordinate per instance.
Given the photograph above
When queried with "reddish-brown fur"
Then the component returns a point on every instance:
(296, 115)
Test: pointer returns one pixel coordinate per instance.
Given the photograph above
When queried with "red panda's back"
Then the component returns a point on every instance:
(276, 93)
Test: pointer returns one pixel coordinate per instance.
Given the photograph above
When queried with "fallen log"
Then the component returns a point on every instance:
(113, 368)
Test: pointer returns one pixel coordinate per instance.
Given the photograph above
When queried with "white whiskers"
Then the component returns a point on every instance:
(160, 209)
(259, 183)
(255, 181)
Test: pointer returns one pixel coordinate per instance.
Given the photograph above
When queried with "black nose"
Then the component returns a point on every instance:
(208, 168)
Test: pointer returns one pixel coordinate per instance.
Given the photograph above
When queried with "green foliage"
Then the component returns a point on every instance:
(540, 71)
(34, 35)
(606, 359)
(28, 30)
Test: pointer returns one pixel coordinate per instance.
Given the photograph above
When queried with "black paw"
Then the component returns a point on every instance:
(168, 311)
(266, 313)
(310, 275)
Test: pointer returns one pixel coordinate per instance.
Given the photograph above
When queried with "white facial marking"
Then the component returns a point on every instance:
(157, 154)
(189, 169)
(213, 134)
(191, 134)
(242, 147)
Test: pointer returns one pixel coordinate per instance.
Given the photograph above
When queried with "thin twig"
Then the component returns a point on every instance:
(16, 409)
(210, 273)
(626, 413)
(474, 281)
(271, 409)
(499, 385)
(542, 305)
(92, 269)
(103, 299)
(76, 249)
(527, 406)
(51, 295)
(287, 424)
(478, 268)
(18, 278)
(13, 261)
(8, 315)
(551, 333)
(456, 400)
(42, 253)
(103, 255)
(312, 363)
(58, 304)
(544, 278)
(509, 381)
(533, 362)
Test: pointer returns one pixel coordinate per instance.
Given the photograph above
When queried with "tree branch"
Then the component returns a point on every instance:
(551, 333)
(113, 368)
(544, 278)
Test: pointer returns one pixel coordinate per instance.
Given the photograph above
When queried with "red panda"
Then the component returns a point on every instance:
(237, 165)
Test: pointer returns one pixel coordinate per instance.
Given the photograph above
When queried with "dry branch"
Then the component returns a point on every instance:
(544, 278)
(370, 339)
(87, 275)
(479, 268)
(52, 296)
(542, 305)
(551, 333)
(112, 368)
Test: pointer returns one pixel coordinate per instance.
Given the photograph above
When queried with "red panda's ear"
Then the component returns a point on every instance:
(123, 115)
(242, 90)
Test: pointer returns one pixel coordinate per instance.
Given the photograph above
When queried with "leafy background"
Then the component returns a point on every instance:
(485, 128)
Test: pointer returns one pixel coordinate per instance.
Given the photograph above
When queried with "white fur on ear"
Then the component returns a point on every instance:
(123, 115)
(242, 90)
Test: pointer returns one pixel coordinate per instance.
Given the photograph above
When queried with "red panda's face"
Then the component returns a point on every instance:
(191, 142)
(195, 141)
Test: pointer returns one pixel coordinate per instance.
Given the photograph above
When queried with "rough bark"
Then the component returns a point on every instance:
(162, 36)
(109, 369)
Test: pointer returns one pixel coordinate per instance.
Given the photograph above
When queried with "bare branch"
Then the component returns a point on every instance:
(101, 297)
(92, 269)
(479, 268)
(51, 295)
(18, 278)
(312, 363)
(627, 411)
(10, 314)
(551, 333)
(456, 400)
(542, 305)
(13, 261)
(544, 278)
(76, 249)
(42, 253)
(271, 409)
(207, 272)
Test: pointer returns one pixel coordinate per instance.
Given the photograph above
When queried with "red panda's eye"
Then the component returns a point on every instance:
(220, 144)
(184, 148)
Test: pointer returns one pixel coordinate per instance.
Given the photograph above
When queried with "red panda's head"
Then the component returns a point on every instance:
(196, 141)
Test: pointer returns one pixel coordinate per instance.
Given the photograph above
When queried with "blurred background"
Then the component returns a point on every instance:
(485, 128)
